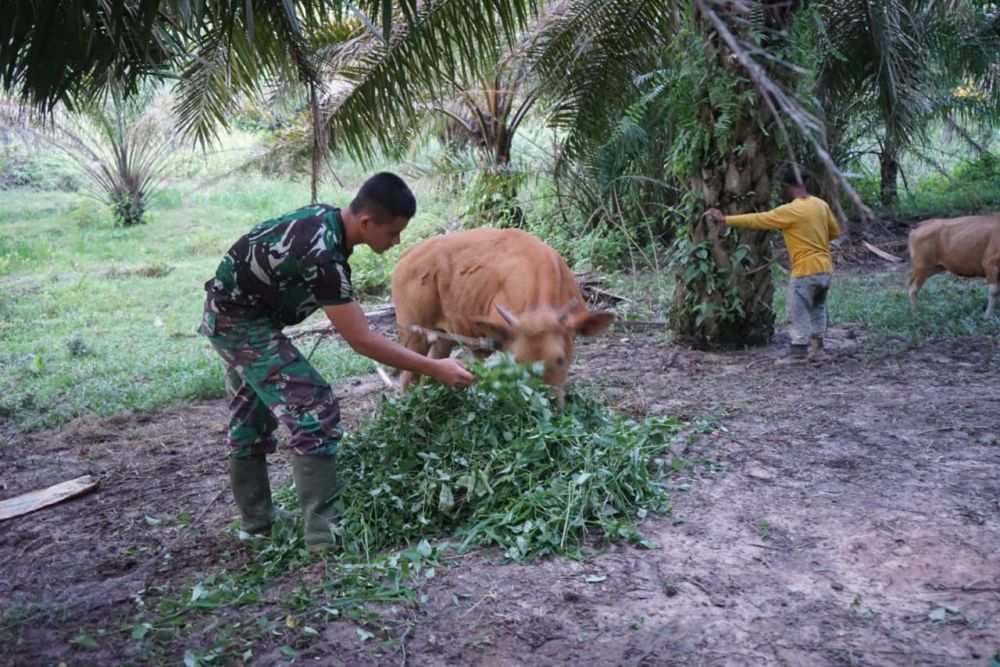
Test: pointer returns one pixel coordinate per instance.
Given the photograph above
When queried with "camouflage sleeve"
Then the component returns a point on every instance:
(331, 283)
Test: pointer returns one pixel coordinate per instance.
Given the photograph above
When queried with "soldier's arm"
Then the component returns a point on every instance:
(350, 322)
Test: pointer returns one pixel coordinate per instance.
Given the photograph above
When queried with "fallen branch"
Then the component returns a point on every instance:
(639, 324)
(882, 253)
(595, 294)
(386, 380)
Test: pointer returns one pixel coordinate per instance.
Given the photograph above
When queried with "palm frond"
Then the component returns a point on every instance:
(589, 53)
(377, 88)
(901, 61)
(53, 52)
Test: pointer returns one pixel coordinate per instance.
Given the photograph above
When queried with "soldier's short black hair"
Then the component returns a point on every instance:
(789, 176)
(386, 196)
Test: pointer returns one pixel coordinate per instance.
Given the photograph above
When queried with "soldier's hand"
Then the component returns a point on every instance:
(453, 373)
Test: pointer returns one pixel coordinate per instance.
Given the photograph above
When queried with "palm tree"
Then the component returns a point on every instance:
(124, 148)
(891, 66)
(484, 115)
(723, 295)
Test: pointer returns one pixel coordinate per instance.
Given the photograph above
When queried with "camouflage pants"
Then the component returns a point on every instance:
(807, 306)
(268, 380)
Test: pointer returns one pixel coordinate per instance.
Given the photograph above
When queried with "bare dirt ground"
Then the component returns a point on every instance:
(845, 508)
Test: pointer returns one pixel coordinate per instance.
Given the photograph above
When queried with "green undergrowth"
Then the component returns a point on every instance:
(429, 476)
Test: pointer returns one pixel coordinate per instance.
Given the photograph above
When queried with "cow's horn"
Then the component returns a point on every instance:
(504, 313)
(567, 309)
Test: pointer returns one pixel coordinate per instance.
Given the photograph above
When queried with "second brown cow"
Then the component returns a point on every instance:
(967, 246)
(500, 283)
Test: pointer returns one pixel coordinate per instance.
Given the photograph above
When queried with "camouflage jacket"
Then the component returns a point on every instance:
(282, 270)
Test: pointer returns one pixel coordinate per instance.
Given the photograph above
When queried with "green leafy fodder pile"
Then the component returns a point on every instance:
(499, 463)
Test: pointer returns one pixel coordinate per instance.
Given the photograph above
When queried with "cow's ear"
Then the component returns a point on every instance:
(590, 323)
(500, 332)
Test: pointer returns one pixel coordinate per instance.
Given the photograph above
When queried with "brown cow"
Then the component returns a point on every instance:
(501, 283)
(968, 247)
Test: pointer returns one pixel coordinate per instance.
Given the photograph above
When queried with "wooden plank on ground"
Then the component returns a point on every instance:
(29, 502)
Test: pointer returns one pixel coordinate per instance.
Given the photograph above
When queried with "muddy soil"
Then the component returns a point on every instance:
(835, 514)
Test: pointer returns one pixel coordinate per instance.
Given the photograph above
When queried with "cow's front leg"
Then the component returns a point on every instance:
(415, 342)
(441, 349)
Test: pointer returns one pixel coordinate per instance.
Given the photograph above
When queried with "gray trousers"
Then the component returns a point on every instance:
(807, 307)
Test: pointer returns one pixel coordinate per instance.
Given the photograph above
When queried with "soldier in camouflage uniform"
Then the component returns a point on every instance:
(275, 276)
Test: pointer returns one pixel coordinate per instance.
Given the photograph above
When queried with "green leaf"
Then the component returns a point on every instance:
(424, 548)
(288, 653)
(938, 614)
(446, 501)
(141, 630)
(85, 641)
(364, 635)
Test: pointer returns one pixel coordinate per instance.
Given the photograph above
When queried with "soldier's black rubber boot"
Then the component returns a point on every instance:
(252, 491)
(316, 483)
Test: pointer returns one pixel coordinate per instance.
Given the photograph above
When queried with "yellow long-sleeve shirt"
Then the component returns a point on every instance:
(808, 225)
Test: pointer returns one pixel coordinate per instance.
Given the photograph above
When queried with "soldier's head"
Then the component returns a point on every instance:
(382, 208)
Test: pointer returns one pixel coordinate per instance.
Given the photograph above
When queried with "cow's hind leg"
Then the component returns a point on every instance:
(917, 278)
(992, 272)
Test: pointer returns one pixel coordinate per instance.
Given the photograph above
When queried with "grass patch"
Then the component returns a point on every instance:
(99, 319)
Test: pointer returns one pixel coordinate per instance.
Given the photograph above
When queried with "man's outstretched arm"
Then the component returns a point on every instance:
(774, 219)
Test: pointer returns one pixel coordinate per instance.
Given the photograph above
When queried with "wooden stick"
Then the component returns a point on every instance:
(386, 380)
(882, 253)
(29, 502)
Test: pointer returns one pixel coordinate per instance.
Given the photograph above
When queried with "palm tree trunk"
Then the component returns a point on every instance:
(724, 289)
(889, 176)
(723, 294)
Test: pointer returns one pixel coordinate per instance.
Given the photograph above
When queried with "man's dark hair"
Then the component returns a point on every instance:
(789, 176)
(385, 196)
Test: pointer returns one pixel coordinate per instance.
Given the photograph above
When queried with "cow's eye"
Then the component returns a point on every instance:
(560, 360)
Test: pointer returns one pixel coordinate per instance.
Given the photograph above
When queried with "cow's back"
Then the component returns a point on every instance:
(447, 280)
(957, 244)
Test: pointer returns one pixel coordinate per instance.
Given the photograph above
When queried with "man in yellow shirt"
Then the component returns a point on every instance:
(808, 225)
